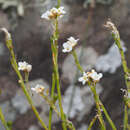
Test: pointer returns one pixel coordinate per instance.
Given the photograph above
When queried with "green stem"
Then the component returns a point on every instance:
(92, 122)
(107, 116)
(77, 61)
(59, 94)
(125, 118)
(21, 81)
(126, 71)
(51, 104)
(124, 63)
(52, 96)
(32, 106)
(58, 3)
(54, 46)
(97, 101)
(2, 118)
(93, 90)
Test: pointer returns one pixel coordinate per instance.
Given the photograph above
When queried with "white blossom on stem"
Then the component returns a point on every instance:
(38, 88)
(66, 47)
(84, 78)
(54, 13)
(94, 75)
(24, 66)
(69, 45)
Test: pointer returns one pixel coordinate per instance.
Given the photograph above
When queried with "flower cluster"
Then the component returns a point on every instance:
(54, 13)
(113, 28)
(24, 66)
(69, 45)
(90, 76)
(38, 88)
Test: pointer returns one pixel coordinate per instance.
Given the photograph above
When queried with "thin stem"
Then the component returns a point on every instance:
(26, 74)
(59, 95)
(75, 79)
(33, 107)
(76, 61)
(54, 46)
(126, 71)
(52, 96)
(21, 81)
(107, 116)
(90, 12)
(98, 101)
(92, 122)
(96, 98)
(51, 104)
(93, 90)
(125, 118)
(58, 3)
(2, 118)
(124, 63)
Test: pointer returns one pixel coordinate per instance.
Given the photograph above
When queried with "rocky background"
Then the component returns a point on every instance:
(96, 49)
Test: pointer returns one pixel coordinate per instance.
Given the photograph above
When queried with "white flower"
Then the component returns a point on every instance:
(68, 46)
(53, 13)
(61, 11)
(84, 78)
(94, 75)
(24, 66)
(38, 88)
(72, 41)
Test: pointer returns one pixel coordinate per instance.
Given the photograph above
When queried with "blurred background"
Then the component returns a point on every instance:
(85, 20)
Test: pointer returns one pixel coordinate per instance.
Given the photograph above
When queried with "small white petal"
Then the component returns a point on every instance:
(24, 66)
(66, 47)
(80, 79)
(95, 76)
(38, 88)
(83, 79)
(53, 13)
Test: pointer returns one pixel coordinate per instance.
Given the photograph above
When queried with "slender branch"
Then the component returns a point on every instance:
(58, 3)
(2, 118)
(124, 63)
(107, 116)
(125, 118)
(51, 104)
(52, 96)
(90, 13)
(116, 37)
(21, 81)
(96, 98)
(54, 46)
(76, 61)
(98, 102)
(92, 122)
